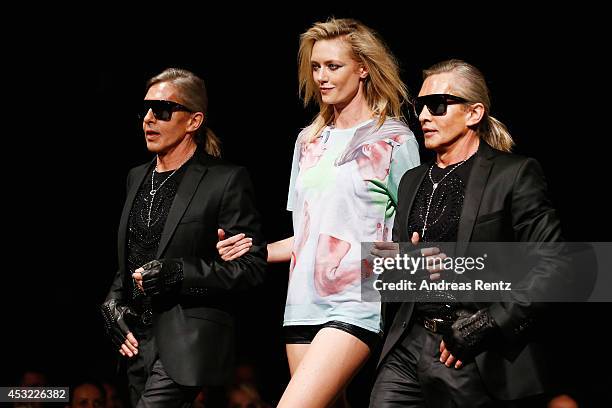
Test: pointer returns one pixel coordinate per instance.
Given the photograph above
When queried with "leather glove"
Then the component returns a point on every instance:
(116, 319)
(471, 334)
(160, 277)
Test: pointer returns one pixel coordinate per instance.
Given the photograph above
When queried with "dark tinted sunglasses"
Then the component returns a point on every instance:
(436, 103)
(162, 110)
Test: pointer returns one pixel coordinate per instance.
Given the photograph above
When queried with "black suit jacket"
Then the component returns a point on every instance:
(505, 201)
(194, 330)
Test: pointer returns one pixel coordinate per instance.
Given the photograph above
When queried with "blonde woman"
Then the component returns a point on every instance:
(346, 168)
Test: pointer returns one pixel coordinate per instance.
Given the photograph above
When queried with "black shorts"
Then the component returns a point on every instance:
(305, 334)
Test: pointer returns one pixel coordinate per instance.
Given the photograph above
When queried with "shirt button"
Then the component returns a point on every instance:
(404, 325)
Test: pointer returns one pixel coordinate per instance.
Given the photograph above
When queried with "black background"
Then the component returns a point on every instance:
(76, 135)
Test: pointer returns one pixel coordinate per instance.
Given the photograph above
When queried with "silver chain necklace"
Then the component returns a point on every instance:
(435, 185)
(155, 190)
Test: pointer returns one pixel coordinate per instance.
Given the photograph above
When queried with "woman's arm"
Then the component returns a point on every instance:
(280, 251)
(237, 245)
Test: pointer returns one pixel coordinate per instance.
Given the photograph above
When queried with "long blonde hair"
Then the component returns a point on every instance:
(192, 92)
(472, 86)
(384, 90)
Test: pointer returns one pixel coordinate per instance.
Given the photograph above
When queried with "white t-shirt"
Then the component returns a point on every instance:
(343, 192)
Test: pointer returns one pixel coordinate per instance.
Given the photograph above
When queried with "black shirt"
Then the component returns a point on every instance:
(442, 219)
(446, 203)
(146, 224)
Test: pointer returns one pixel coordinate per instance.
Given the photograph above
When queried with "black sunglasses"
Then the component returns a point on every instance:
(436, 103)
(162, 110)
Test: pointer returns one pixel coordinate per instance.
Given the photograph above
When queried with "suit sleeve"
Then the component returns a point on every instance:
(399, 220)
(237, 214)
(534, 220)
(404, 158)
(116, 289)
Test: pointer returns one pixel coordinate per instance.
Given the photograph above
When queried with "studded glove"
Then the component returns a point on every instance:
(116, 318)
(471, 334)
(161, 277)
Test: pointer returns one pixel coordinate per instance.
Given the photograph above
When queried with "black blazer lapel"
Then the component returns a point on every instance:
(138, 177)
(186, 190)
(479, 175)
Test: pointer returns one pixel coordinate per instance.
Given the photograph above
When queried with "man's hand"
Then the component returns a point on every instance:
(130, 346)
(137, 275)
(158, 277)
(385, 250)
(447, 358)
(431, 254)
(116, 319)
(470, 334)
(234, 246)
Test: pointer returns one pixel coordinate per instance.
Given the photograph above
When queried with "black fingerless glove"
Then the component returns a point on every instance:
(116, 318)
(471, 334)
(161, 277)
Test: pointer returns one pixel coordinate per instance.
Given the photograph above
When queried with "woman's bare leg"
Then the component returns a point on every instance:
(295, 354)
(323, 370)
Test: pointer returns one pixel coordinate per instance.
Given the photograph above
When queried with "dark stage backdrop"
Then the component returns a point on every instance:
(69, 175)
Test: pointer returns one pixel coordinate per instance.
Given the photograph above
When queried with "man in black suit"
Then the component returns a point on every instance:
(169, 307)
(452, 354)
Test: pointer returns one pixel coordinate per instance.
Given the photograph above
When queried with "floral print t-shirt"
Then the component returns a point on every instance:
(343, 191)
